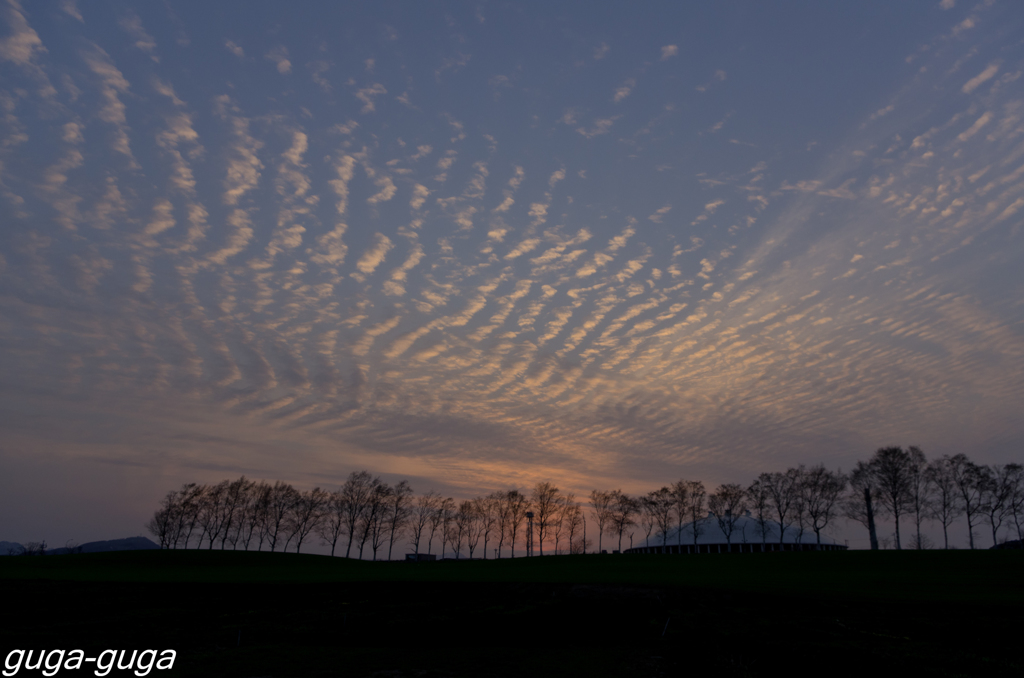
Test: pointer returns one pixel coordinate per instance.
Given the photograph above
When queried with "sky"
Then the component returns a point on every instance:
(483, 245)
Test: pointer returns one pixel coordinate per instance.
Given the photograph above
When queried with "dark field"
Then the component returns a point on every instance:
(936, 613)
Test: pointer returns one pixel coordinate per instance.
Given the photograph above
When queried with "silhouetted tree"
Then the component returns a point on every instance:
(861, 505)
(423, 510)
(232, 509)
(517, 505)
(333, 525)
(602, 503)
(211, 515)
(969, 480)
(487, 510)
(727, 503)
(280, 500)
(760, 503)
(696, 497)
(645, 514)
(892, 469)
(399, 511)
(783, 490)
(919, 493)
(545, 505)
(375, 519)
(821, 492)
(307, 513)
(558, 524)
(680, 494)
(662, 503)
(446, 514)
(573, 519)
(945, 505)
(356, 497)
(470, 514)
(624, 510)
(1017, 502)
(997, 495)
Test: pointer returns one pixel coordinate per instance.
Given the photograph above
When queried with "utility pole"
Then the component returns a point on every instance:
(529, 533)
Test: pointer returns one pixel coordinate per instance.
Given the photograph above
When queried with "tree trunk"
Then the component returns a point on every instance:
(871, 520)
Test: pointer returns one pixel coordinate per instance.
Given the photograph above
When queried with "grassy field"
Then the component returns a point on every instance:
(945, 613)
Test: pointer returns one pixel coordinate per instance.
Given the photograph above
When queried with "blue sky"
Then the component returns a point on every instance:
(479, 245)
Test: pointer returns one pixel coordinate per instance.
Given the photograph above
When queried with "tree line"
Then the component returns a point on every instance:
(367, 517)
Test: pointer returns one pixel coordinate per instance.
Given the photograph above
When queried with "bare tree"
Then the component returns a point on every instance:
(517, 505)
(624, 510)
(423, 510)
(280, 500)
(261, 512)
(232, 509)
(375, 520)
(436, 521)
(573, 520)
(307, 513)
(696, 497)
(161, 525)
(648, 521)
(545, 505)
(661, 504)
(247, 518)
(969, 480)
(333, 524)
(446, 515)
(602, 502)
(945, 504)
(355, 495)
(399, 512)
(680, 494)
(487, 510)
(1017, 501)
(821, 490)
(783, 490)
(997, 499)
(892, 470)
(760, 502)
(211, 515)
(470, 514)
(919, 493)
(860, 506)
(727, 503)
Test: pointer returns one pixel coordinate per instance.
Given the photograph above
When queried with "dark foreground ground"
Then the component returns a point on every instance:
(249, 614)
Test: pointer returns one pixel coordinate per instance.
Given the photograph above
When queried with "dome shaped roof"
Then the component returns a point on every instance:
(746, 530)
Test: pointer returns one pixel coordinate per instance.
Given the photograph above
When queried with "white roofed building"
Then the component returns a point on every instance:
(747, 535)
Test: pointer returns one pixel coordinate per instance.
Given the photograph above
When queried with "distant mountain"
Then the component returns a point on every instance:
(10, 548)
(128, 544)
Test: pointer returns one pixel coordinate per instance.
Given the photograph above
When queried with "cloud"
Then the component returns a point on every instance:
(132, 25)
(234, 48)
(70, 7)
(601, 126)
(601, 51)
(373, 257)
(279, 55)
(243, 168)
(367, 94)
(659, 215)
(984, 76)
(669, 51)
(113, 84)
(23, 43)
(419, 196)
(623, 91)
(387, 190)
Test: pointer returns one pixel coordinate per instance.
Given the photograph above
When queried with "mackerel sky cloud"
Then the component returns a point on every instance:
(483, 245)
